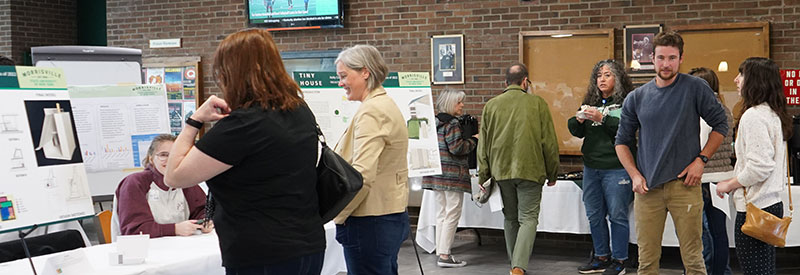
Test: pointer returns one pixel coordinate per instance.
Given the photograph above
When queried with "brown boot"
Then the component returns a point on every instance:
(517, 271)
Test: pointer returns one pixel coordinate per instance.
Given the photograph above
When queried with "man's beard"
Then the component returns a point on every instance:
(671, 76)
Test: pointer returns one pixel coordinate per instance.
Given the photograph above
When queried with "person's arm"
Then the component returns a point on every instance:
(575, 127)
(626, 134)
(370, 139)
(457, 144)
(711, 111)
(134, 212)
(187, 166)
(549, 143)
(484, 143)
(758, 156)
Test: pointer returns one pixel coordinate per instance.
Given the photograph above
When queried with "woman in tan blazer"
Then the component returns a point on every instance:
(374, 225)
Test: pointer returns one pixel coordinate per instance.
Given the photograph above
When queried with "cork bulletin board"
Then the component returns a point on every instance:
(560, 65)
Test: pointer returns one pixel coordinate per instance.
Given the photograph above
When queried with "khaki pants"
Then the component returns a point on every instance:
(685, 204)
(521, 200)
(449, 203)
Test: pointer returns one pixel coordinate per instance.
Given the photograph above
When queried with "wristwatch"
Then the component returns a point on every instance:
(703, 158)
(193, 123)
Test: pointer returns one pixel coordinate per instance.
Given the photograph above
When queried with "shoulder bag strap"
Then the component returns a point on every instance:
(788, 183)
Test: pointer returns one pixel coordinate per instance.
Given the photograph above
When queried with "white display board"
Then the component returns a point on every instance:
(410, 91)
(115, 125)
(43, 179)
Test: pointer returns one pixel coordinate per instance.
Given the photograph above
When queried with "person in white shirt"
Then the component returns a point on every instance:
(760, 146)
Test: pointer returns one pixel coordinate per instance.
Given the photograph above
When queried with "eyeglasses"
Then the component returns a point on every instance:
(528, 81)
(162, 156)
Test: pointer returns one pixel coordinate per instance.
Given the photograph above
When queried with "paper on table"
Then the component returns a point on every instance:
(720, 203)
(67, 263)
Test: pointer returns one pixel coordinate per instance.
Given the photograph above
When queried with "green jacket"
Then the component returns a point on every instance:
(517, 138)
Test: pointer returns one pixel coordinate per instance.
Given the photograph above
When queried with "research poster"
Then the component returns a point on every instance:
(43, 179)
(115, 124)
(410, 91)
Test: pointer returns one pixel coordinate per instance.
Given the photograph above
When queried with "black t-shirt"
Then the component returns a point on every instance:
(266, 204)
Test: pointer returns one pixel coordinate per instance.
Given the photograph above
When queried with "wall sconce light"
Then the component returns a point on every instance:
(723, 66)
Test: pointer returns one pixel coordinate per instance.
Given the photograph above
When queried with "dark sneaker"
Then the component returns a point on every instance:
(594, 266)
(450, 262)
(615, 268)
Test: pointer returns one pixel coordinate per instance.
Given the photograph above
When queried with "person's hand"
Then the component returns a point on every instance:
(593, 114)
(475, 135)
(639, 184)
(578, 117)
(187, 228)
(207, 227)
(213, 109)
(551, 182)
(726, 186)
(693, 173)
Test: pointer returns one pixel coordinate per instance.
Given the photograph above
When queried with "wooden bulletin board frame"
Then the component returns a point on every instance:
(180, 62)
(560, 65)
(706, 45)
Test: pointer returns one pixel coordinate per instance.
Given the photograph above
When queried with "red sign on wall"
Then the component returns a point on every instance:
(791, 85)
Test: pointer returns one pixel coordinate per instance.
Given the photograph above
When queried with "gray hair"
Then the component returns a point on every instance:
(365, 56)
(622, 83)
(448, 99)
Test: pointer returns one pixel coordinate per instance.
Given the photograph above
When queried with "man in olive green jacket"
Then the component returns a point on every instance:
(518, 149)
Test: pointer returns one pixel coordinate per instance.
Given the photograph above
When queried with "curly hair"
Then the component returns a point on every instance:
(622, 84)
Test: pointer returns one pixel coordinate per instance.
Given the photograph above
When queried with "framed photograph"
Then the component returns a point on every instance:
(639, 51)
(447, 59)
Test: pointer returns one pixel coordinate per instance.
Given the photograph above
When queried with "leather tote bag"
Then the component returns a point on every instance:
(337, 181)
(764, 226)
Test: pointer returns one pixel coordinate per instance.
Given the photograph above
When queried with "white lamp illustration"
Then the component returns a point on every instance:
(58, 138)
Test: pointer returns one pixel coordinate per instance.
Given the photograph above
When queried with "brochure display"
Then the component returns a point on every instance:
(410, 91)
(44, 180)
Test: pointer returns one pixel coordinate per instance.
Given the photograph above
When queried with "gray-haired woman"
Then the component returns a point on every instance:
(375, 223)
(606, 184)
(449, 187)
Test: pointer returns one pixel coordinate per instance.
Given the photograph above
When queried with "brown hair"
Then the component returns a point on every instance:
(157, 141)
(671, 39)
(249, 70)
(763, 84)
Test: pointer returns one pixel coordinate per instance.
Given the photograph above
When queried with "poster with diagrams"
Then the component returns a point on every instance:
(43, 179)
(114, 123)
(410, 91)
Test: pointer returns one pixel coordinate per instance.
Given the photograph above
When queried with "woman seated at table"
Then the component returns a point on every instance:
(146, 205)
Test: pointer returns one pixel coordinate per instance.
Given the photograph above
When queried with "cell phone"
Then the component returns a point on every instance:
(200, 221)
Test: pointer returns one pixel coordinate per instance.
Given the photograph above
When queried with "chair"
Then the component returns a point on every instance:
(104, 221)
(115, 230)
(42, 245)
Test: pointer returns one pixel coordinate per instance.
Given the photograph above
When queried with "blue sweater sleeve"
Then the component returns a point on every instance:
(711, 110)
(628, 122)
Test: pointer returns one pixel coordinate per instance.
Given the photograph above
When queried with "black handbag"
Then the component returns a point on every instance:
(337, 181)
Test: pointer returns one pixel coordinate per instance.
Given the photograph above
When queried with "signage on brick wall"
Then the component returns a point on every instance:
(165, 43)
(791, 85)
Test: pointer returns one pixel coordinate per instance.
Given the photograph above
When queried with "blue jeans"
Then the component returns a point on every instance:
(715, 237)
(607, 192)
(371, 243)
(310, 264)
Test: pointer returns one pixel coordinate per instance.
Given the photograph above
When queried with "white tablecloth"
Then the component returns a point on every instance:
(197, 254)
(562, 211)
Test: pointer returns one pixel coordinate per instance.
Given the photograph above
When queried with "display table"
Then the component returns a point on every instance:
(198, 254)
(561, 211)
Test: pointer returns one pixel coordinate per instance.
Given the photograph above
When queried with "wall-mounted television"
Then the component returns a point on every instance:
(295, 14)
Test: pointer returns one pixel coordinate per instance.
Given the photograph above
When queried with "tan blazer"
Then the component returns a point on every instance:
(376, 144)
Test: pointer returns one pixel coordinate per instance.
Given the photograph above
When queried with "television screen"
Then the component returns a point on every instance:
(295, 14)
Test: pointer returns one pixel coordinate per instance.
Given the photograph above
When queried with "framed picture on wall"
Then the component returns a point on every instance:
(639, 50)
(447, 59)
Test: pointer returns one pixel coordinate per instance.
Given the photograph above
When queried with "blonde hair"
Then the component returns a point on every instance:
(365, 56)
(157, 141)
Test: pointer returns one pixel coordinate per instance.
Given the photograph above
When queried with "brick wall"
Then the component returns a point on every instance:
(5, 27)
(401, 30)
(26, 24)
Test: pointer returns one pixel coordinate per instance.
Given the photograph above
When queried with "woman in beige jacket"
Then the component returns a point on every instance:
(374, 225)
